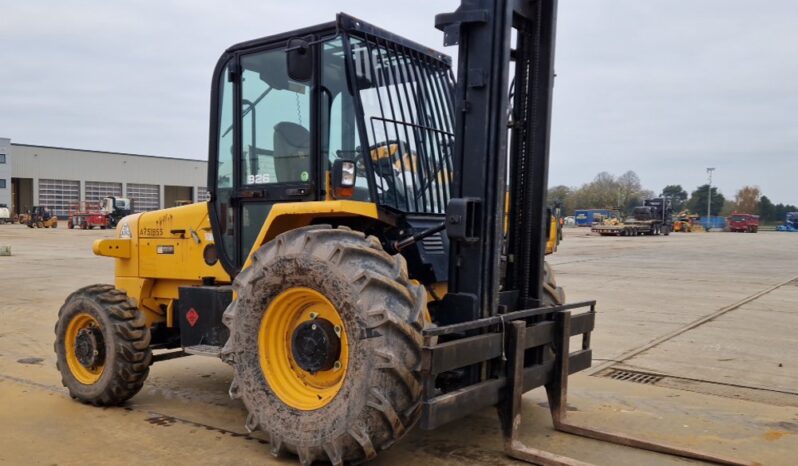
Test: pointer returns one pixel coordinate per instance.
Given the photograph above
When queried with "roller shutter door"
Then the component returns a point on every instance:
(58, 195)
(145, 196)
(98, 190)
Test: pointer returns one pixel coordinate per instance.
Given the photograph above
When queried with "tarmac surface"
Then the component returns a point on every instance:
(704, 322)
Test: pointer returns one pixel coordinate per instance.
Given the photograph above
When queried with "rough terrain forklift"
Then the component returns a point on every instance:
(353, 265)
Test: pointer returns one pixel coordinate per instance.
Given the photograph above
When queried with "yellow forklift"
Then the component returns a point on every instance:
(352, 264)
(40, 217)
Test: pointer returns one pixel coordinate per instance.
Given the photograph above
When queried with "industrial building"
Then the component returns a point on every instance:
(58, 177)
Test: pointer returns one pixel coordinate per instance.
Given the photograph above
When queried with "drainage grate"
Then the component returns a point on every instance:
(630, 376)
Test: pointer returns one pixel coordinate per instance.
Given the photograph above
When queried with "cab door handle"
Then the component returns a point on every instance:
(297, 192)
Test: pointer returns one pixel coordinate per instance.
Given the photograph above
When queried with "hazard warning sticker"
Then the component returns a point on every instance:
(192, 316)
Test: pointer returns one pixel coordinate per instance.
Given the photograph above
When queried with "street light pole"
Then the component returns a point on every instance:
(709, 198)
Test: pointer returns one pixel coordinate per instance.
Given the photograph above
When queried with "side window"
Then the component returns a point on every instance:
(340, 138)
(275, 122)
(2, 158)
(224, 167)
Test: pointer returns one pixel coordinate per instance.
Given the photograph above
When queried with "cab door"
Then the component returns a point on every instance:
(266, 148)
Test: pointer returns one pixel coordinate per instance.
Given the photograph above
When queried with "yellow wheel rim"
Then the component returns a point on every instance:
(293, 385)
(83, 374)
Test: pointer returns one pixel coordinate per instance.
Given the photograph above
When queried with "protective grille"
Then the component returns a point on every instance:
(407, 106)
(433, 244)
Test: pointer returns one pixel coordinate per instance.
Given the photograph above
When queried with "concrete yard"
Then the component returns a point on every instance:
(708, 319)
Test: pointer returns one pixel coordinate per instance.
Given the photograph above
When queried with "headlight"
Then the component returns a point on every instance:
(348, 174)
(124, 232)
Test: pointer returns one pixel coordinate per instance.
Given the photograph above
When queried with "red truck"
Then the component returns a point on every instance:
(743, 223)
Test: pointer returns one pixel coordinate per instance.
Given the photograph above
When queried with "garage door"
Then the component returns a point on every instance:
(58, 195)
(98, 190)
(145, 196)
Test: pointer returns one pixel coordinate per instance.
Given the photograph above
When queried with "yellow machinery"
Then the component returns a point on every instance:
(686, 222)
(320, 260)
(352, 265)
(555, 234)
(40, 217)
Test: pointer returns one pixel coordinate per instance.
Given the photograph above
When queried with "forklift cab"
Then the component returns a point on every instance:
(296, 114)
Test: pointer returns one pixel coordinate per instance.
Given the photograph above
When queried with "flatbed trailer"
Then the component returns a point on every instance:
(632, 229)
(654, 217)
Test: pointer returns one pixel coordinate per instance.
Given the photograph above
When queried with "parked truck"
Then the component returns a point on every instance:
(743, 223)
(654, 217)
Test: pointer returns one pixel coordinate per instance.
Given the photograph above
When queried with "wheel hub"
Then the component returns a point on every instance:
(316, 346)
(90, 347)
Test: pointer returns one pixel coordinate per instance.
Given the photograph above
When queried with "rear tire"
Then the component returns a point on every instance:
(382, 312)
(126, 339)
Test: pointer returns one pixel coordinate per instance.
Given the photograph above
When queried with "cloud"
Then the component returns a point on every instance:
(664, 88)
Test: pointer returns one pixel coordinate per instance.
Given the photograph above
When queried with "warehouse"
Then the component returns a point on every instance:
(57, 178)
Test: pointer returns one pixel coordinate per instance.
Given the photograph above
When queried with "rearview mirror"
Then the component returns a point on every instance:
(299, 56)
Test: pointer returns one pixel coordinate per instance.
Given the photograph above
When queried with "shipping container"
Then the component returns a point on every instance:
(587, 217)
(714, 223)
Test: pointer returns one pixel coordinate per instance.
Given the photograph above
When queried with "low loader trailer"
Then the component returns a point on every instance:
(654, 217)
(626, 229)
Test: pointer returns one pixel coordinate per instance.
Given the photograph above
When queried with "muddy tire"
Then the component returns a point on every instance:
(124, 344)
(382, 312)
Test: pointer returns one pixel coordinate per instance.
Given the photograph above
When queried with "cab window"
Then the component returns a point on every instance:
(275, 112)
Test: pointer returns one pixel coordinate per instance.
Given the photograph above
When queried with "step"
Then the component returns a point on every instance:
(204, 350)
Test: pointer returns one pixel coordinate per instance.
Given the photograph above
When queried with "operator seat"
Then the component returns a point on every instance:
(291, 151)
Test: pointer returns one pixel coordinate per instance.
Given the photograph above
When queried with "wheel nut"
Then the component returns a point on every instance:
(337, 365)
(313, 326)
(337, 330)
(313, 315)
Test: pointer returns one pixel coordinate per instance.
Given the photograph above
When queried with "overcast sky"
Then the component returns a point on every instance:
(664, 88)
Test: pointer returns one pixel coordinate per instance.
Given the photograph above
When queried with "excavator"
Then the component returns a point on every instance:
(353, 265)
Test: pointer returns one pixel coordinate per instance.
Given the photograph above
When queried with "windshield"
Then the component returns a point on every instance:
(738, 218)
(407, 110)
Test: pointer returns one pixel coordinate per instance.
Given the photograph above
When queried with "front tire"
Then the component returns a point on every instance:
(315, 274)
(102, 346)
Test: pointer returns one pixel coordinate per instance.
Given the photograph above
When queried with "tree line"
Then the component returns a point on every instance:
(625, 192)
